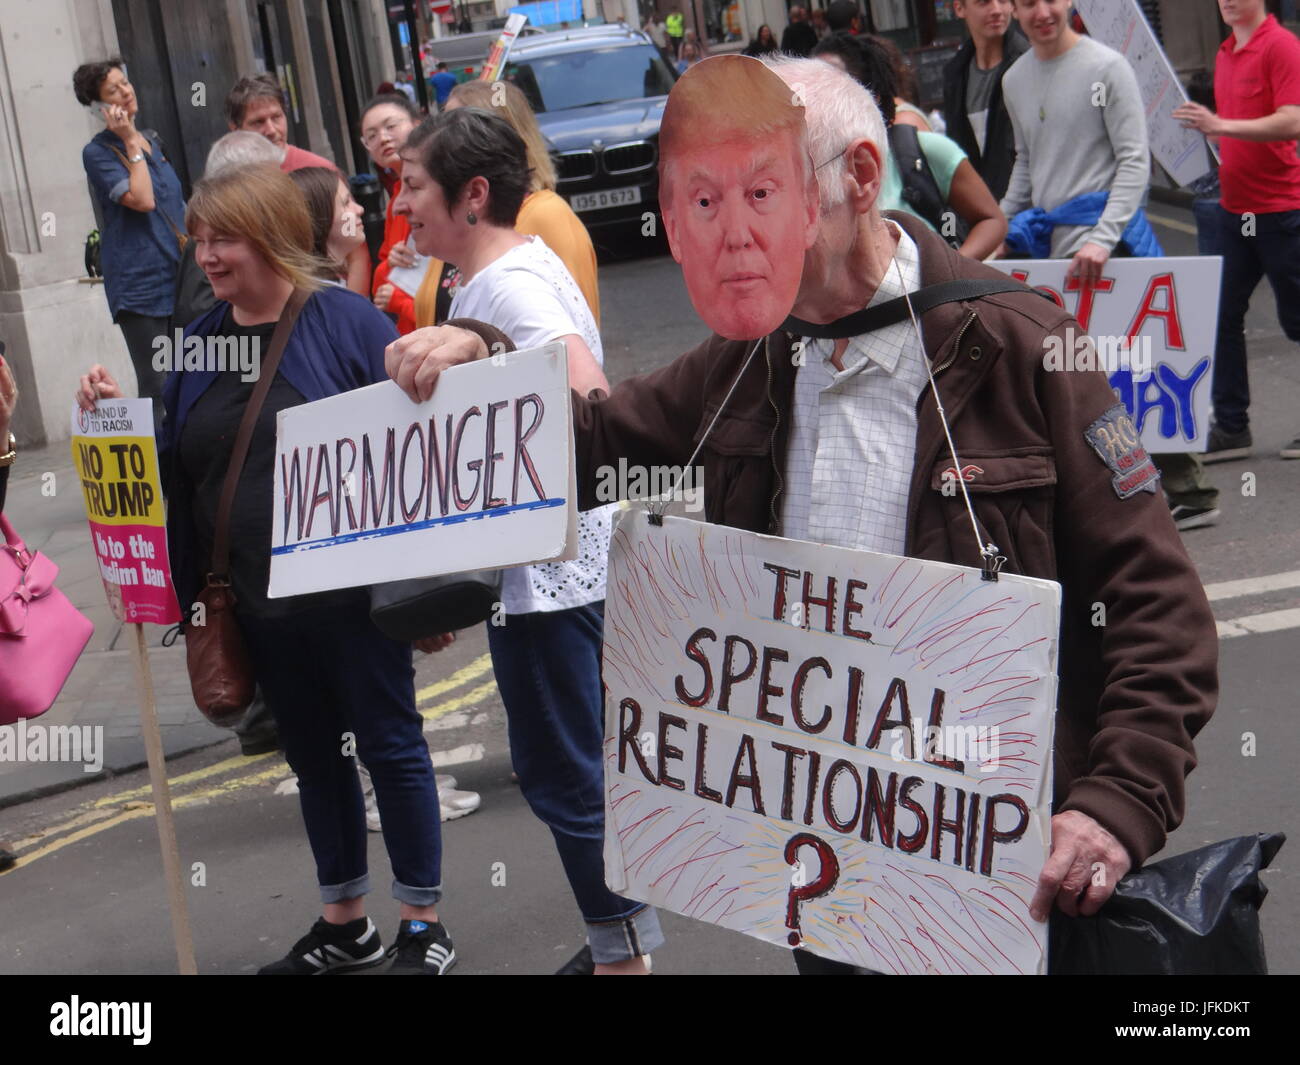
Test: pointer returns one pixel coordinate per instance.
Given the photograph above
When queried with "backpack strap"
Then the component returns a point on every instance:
(920, 189)
(872, 318)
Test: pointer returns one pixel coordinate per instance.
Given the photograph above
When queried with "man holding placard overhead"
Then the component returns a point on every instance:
(822, 425)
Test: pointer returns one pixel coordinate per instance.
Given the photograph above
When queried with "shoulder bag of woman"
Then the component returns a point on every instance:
(221, 675)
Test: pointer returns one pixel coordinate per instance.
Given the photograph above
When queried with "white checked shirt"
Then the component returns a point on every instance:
(848, 468)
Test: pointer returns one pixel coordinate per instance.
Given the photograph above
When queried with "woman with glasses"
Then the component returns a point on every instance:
(386, 122)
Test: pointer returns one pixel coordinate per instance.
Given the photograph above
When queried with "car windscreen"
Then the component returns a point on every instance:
(595, 76)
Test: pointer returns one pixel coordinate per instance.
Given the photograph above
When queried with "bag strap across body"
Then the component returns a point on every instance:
(182, 238)
(219, 572)
(872, 318)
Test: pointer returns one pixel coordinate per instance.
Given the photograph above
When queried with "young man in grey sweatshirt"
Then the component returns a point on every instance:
(1080, 128)
(1077, 113)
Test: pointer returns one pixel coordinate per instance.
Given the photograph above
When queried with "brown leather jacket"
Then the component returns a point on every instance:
(1135, 690)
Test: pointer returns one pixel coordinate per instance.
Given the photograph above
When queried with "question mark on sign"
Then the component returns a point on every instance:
(826, 877)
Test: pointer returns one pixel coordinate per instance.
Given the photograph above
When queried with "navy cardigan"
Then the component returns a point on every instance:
(336, 345)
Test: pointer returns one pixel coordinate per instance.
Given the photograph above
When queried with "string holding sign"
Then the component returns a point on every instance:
(991, 562)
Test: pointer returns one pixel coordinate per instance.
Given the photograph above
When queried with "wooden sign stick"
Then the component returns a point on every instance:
(162, 807)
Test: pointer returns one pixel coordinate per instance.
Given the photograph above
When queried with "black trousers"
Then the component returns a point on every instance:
(140, 331)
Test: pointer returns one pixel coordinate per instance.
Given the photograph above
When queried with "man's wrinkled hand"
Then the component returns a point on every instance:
(415, 360)
(1085, 865)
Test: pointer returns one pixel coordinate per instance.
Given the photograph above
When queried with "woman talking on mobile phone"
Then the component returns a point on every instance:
(142, 207)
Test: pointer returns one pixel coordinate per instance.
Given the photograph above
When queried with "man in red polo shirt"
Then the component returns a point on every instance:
(256, 104)
(1257, 91)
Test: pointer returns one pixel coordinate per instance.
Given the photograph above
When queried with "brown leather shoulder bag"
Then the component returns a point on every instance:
(221, 676)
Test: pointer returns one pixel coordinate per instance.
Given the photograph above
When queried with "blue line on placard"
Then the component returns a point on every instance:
(450, 519)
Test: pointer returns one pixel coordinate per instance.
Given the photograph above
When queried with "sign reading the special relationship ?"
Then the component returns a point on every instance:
(839, 750)
(370, 487)
(117, 462)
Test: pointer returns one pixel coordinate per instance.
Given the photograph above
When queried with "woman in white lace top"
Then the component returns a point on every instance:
(464, 176)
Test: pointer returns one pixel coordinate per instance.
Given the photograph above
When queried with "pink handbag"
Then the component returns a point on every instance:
(41, 634)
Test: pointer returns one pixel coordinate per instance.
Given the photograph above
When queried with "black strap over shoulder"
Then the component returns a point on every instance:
(920, 188)
(895, 310)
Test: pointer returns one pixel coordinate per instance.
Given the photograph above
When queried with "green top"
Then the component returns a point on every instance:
(944, 157)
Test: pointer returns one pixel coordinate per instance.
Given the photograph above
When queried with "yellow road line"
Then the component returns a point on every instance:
(101, 807)
(76, 837)
(237, 762)
(471, 697)
(100, 816)
(475, 669)
(146, 809)
(1171, 223)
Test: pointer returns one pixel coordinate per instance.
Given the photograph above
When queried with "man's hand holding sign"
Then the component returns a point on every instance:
(770, 724)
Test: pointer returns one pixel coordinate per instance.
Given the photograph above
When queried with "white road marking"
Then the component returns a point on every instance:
(470, 752)
(1273, 582)
(1272, 621)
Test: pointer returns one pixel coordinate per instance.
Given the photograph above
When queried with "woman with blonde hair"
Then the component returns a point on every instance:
(544, 214)
(323, 667)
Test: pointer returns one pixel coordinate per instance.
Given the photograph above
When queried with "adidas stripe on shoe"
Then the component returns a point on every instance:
(329, 948)
(422, 947)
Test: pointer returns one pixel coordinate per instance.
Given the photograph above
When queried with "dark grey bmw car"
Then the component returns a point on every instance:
(599, 95)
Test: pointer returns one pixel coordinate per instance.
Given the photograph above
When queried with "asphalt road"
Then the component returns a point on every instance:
(88, 897)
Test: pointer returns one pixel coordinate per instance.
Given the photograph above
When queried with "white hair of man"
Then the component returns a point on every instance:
(838, 111)
(241, 148)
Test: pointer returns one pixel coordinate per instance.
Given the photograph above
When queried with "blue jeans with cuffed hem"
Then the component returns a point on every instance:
(547, 668)
(326, 673)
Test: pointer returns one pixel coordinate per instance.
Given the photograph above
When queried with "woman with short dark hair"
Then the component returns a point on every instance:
(142, 208)
(464, 176)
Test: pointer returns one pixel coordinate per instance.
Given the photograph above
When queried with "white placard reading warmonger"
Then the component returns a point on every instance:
(370, 487)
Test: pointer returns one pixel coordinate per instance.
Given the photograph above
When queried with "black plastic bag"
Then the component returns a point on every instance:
(1194, 913)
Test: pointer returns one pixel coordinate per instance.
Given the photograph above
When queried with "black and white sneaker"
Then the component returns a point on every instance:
(422, 947)
(331, 948)
(1186, 517)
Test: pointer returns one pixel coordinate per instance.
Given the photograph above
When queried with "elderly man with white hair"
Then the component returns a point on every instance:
(831, 433)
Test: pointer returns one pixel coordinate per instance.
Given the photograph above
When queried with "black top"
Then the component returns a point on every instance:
(995, 162)
(799, 39)
(205, 446)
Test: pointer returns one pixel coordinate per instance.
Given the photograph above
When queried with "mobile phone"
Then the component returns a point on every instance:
(101, 109)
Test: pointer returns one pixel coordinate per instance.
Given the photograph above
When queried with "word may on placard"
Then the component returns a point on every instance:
(1150, 326)
(370, 487)
(838, 750)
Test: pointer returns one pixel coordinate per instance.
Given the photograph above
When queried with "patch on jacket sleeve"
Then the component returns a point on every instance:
(1115, 438)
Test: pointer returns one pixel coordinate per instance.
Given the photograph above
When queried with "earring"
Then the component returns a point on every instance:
(472, 218)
